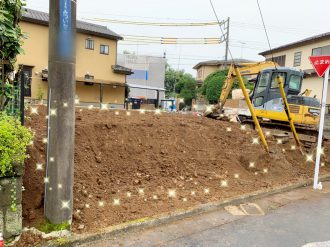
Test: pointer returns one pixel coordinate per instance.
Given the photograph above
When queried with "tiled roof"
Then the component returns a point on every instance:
(221, 62)
(38, 17)
(308, 40)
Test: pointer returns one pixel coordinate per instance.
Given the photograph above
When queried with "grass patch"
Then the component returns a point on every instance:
(48, 227)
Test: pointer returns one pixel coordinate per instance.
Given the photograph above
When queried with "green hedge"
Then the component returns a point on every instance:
(14, 139)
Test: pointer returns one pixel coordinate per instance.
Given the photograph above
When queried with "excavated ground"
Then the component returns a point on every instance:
(151, 164)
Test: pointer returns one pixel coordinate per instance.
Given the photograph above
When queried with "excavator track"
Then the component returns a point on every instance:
(301, 129)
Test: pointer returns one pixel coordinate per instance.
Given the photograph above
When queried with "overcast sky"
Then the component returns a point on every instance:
(286, 20)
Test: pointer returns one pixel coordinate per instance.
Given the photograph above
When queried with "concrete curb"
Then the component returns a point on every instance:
(77, 240)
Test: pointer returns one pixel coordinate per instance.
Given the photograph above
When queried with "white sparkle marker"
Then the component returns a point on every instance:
(255, 141)
(53, 112)
(209, 108)
(34, 110)
(141, 191)
(116, 202)
(39, 167)
(224, 183)
(104, 107)
(65, 204)
(309, 158)
(171, 193)
(252, 165)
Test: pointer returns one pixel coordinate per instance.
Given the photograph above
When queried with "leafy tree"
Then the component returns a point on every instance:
(11, 39)
(188, 92)
(177, 82)
(213, 85)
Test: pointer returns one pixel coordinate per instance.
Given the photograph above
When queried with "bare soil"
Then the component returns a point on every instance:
(151, 164)
(29, 239)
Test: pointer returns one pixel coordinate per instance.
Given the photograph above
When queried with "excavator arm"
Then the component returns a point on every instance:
(245, 69)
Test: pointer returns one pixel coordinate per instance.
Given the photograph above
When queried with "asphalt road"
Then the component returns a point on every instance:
(291, 219)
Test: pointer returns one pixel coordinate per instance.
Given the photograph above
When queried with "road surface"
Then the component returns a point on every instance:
(290, 219)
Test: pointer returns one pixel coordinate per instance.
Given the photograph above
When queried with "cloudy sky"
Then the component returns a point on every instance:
(286, 20)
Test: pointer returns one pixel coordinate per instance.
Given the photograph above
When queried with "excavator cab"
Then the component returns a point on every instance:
(267, 101)
(266, 89)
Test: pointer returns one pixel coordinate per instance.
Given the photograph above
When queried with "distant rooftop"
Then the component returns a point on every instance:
(42, 18)
(221, 62)
(320, 37)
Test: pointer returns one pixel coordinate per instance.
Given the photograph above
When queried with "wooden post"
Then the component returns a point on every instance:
(61, 115)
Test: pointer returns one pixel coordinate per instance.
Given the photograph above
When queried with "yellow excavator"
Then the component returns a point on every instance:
(275, 101)
(266, 97)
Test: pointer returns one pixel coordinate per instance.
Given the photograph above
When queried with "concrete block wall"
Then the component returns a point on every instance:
(10, 193)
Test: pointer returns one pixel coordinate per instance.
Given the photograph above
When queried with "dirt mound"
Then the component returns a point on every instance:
(138, 165)
(29, 239)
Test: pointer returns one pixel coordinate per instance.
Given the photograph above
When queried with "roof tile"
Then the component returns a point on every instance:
(39, 17)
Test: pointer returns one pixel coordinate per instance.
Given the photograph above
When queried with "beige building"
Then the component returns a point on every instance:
(297, 54)
(98, 77)
(204, 69)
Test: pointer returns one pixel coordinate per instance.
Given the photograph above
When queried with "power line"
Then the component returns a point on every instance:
(171, 40)
(263, 22)
(160, 24)
(223, 33)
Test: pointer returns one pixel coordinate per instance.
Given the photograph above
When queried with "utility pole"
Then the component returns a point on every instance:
(61, 113)
(227, 41)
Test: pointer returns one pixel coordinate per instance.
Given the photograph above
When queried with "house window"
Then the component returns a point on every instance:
(325, 50)
(104, 49)
(90, 44)
(297, 59)
(280, 60)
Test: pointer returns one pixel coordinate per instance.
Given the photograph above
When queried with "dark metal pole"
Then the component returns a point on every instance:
(22, 94)
(62, 86)
(101, 95)
(157, 106)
